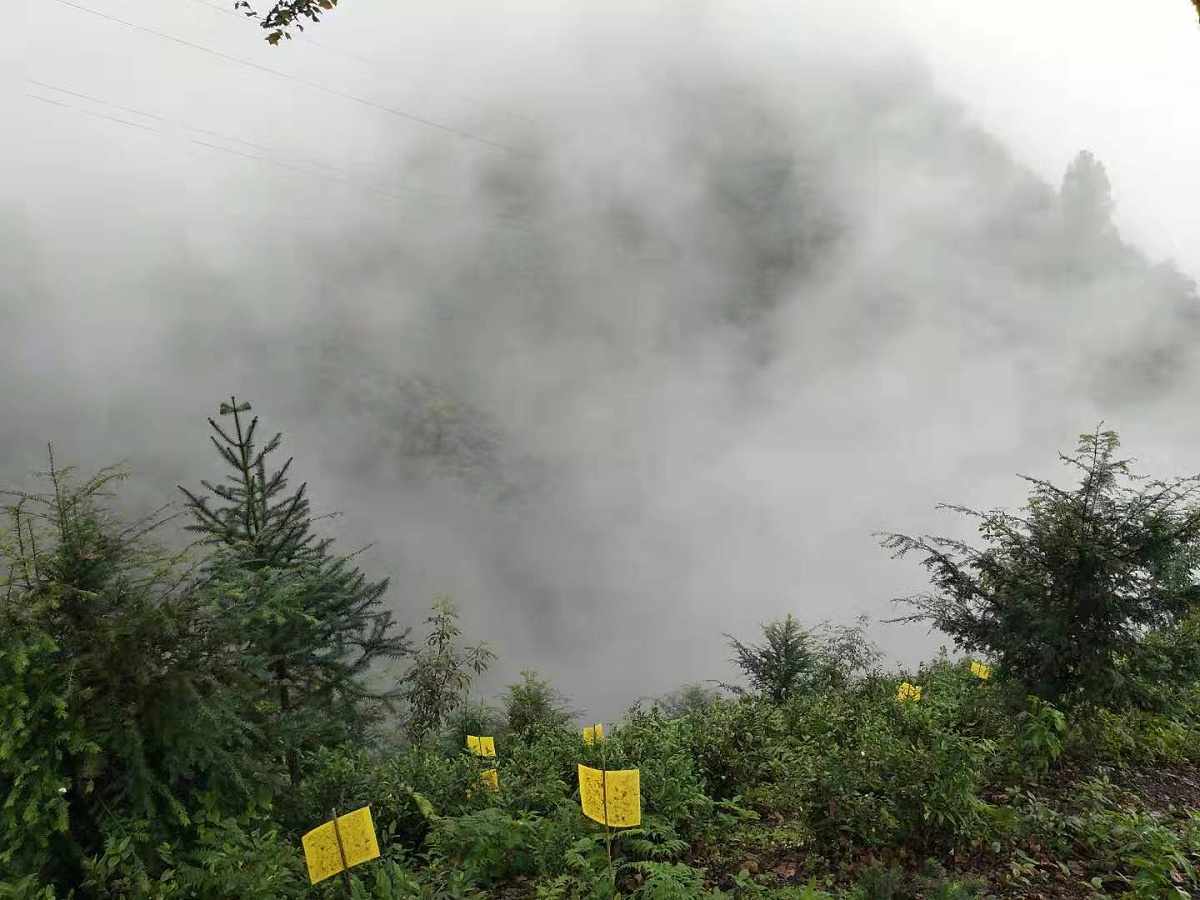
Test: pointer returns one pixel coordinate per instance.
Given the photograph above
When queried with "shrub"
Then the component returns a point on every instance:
(486, 845)
(688, 699)
(1102, 737)
(532, 705)
(441, 673)
(471, 717)
(1038, 738)
(736, 745)
(890, 773)
(670, 784)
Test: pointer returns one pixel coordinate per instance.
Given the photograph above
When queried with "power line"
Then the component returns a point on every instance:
(204, 143)
(184, 125)
(348, 181)
(244, 155)
(367, 62)
(90, 112)
(312, 84)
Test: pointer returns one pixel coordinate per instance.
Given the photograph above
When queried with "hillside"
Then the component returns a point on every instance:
(174, 726)
(642, 395)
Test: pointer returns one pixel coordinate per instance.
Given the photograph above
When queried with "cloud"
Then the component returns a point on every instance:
(746, 288)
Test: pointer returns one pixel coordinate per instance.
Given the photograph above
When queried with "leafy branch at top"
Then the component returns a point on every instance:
(286, 13)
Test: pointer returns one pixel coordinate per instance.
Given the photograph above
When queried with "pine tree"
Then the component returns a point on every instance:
(313, 617)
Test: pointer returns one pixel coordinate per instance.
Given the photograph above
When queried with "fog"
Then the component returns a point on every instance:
(623, 326)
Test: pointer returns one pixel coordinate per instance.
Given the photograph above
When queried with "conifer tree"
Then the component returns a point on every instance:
(314, 618)
(1065, 590)
(1087, 193)
(262, 530)
(122, 706)
(781, 664)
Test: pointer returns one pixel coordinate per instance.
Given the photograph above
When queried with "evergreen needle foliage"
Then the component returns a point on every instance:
(152, 710)
(1066, 591)
(313, 618)
(264, 529)
(777, 667)
(121, 698)
(792, 658)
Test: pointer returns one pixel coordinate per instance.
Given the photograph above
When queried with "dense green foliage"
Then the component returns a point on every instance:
(147, 750)
(129, 717)
(313, 619)
(793, 659)
(1066, 595)
(441, 673)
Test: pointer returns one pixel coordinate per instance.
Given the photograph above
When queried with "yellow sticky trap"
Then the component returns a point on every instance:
(981, 671)
(616, 793)
(593, 733)
(908, 692)
(491, 779)
(481, 746)
(358, 841)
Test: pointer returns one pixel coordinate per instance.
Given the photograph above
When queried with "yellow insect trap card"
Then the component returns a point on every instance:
(611, 797)
(326, 856)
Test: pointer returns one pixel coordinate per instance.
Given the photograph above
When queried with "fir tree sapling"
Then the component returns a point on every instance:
(319, 625)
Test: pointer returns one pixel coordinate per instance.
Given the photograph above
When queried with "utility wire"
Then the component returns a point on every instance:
(90, 112)
(312, 84)
(346, 181)
(207, 144)
(367, 62)
(177, 124)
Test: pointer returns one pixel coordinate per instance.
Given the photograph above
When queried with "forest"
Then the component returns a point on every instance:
(174, 720)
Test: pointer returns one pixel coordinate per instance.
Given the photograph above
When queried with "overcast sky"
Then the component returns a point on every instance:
(684, 492)
(1051, 78)
(1048, 79)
